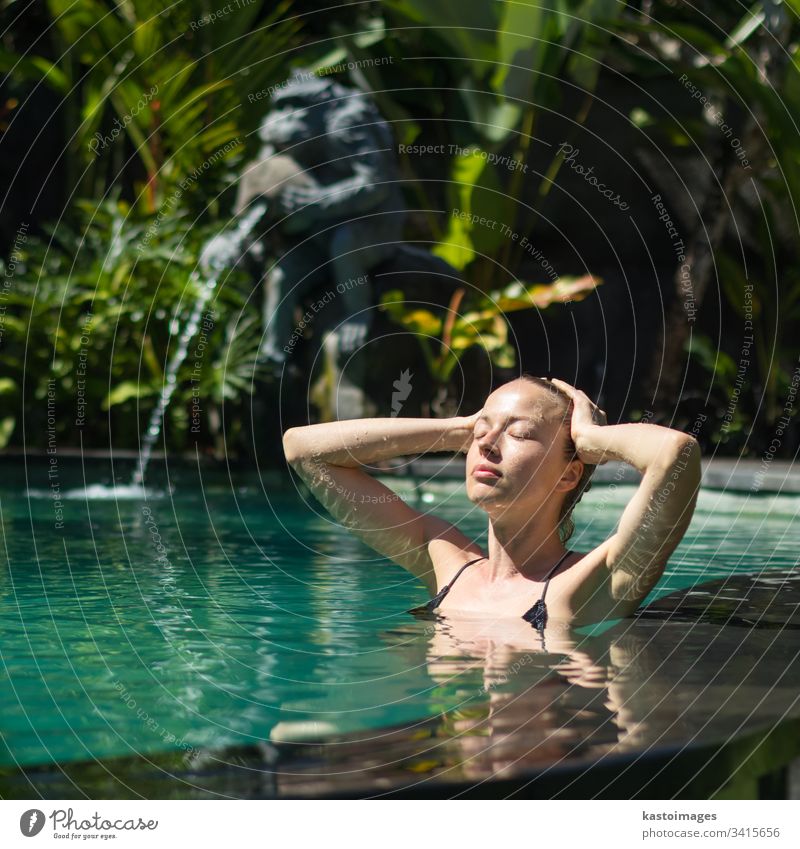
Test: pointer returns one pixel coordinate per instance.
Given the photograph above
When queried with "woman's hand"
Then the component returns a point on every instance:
(465, 427)
(586, 417)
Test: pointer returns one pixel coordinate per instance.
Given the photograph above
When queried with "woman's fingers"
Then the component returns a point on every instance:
(566, 387)
(580, 397)
(468, 424)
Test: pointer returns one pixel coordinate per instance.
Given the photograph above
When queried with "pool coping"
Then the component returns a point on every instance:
(755, 765)
(745, 475)
(739, 475)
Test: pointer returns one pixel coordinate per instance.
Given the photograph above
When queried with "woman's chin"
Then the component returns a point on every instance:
(482, 495)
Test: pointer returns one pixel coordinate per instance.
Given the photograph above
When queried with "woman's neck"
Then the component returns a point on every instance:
(530, 550)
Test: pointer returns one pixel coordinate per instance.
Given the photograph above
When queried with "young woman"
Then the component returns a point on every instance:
(530, 454)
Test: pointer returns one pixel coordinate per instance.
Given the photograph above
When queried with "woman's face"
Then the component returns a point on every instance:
(517, 457)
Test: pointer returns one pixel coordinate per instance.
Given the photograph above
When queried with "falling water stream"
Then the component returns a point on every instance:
(171, 379)
(221, 252)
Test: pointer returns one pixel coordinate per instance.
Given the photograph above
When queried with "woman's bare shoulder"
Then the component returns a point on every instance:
(449, 549)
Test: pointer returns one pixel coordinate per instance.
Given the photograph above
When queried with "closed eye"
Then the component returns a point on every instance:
(482, 430)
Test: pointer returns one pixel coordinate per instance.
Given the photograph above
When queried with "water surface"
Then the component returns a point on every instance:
(220, 615)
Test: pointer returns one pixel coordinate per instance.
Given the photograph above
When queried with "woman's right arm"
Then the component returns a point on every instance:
(329, 458)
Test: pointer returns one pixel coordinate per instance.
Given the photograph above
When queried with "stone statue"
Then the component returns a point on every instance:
(326, 181)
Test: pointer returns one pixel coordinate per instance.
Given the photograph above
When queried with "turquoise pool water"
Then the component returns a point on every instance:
(224, 616)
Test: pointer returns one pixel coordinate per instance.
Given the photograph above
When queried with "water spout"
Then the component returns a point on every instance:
(223, 251)
(170, 379)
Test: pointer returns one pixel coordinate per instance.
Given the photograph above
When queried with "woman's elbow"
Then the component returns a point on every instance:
(685, 448)
(688, 460)
(678, 462)
(691, 449)
(293, 446)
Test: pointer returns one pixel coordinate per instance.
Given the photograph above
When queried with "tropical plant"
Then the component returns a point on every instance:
(476, 320)
(157, 87)
(501, 68)
(741, 81)
(153, 105)
(93, 317)
(498, 70)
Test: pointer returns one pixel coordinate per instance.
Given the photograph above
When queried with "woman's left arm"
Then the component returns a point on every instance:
(659, 513)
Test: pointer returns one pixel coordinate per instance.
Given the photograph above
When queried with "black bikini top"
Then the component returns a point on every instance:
(537, 615)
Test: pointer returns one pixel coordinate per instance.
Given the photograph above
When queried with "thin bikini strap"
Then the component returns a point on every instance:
(552, 572)
(537, 615)
(439, 597)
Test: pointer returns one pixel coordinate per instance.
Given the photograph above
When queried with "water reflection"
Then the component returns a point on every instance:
(252, 629)
(527, 705)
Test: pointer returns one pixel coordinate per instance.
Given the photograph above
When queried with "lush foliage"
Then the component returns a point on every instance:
(155, 119)
(743, 75)
(500, 70)
(96, 314)
(477, 320)
(153, 111)
(152, 86)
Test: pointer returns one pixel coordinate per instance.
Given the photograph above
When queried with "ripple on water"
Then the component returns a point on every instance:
(254, 625)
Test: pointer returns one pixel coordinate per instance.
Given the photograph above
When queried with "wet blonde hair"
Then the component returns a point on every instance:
(566, 525)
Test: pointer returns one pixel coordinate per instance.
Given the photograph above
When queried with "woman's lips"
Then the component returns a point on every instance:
(484, 472)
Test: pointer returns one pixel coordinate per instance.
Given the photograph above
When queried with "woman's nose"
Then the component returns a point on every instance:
(488, 442)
